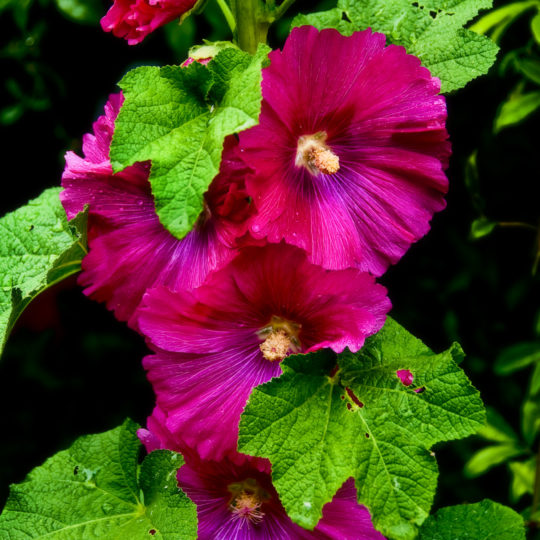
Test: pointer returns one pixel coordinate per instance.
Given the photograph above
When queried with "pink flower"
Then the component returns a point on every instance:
(350, 150)
(135, 19)
(236, 499)
(217, 342)
(130, 251)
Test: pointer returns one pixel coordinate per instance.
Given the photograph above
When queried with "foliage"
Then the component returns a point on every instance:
(38, 248)
(431, 30)
(96, 489)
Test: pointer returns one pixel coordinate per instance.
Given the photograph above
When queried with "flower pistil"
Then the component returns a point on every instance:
(313, 153)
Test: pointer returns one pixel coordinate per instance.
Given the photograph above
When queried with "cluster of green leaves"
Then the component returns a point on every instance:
(178, 117)
(430, 29)
(518, 452)
(524, 99)
(98, 489)
(318, 430)
(38, 248)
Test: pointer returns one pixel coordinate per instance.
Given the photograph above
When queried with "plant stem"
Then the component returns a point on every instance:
(280, 11)
(536, 496)
(516, 224)
(252, 23)
(229, 17)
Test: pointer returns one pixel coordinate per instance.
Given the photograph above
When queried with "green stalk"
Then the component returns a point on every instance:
(251, 23)
(280, 11)
(227, 13)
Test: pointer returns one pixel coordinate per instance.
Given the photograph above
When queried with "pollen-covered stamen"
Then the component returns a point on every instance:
(313, 153)
(246, 501)
(281, 338)
(276, 346)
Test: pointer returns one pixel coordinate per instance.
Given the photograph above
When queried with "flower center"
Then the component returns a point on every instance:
(280, 338)
(247, 499)
(313, 153)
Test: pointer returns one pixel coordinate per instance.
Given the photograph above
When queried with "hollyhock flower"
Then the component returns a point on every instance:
(350, 149)
(217, 342)
(135, 19)
(130, 251)
(236, 499)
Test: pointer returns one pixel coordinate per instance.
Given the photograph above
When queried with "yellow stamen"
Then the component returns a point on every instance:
(313, 153)
(276, 346)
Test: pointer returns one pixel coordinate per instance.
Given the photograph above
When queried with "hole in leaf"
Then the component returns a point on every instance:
(349, 406)
(355, 400)
(76, 469)
(433, 14)
(31, 227)
(367, 435)
(342, 396)
(152, 532)
(420, 390)
(405, 376)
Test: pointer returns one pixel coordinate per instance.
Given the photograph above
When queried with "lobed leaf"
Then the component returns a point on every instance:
(430, 29)
(38, 248)
(178, 117)
(485, 520)
(95, 490)
(318, 430)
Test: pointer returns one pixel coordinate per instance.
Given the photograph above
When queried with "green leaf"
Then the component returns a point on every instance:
(497, 429)
(82, 11)
(535, 27)
(530, 422)
(498, 20)
(38, 248)
(515, 109)
(333, 18)
(178, 118)
(430, 29)
(94, 490)
(489, 457)
(523, 473)
(486, 520)
(517, 357)
(318, 430)
(482, 227)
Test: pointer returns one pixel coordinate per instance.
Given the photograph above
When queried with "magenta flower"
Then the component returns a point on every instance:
(350, 150)
(217, 342)
(135, 19)
(237, 500)
(130, 251)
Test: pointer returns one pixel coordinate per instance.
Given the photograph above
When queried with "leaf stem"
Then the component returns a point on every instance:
(227, 13)
(516, 224)
(280, 11)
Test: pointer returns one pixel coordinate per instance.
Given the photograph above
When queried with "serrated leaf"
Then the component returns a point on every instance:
(486, 520)
(178, 119)
(38, 248)
(92, 491)
(363, 422)
(517, 357)
(489, 457)
(430, 29)
(333, 18)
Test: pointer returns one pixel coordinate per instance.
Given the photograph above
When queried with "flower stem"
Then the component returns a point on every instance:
(252, 23)
(280, 11)
(227, 13)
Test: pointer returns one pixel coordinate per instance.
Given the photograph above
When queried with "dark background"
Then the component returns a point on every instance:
(70, 368)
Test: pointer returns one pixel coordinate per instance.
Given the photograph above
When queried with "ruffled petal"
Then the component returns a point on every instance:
(379, 111)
